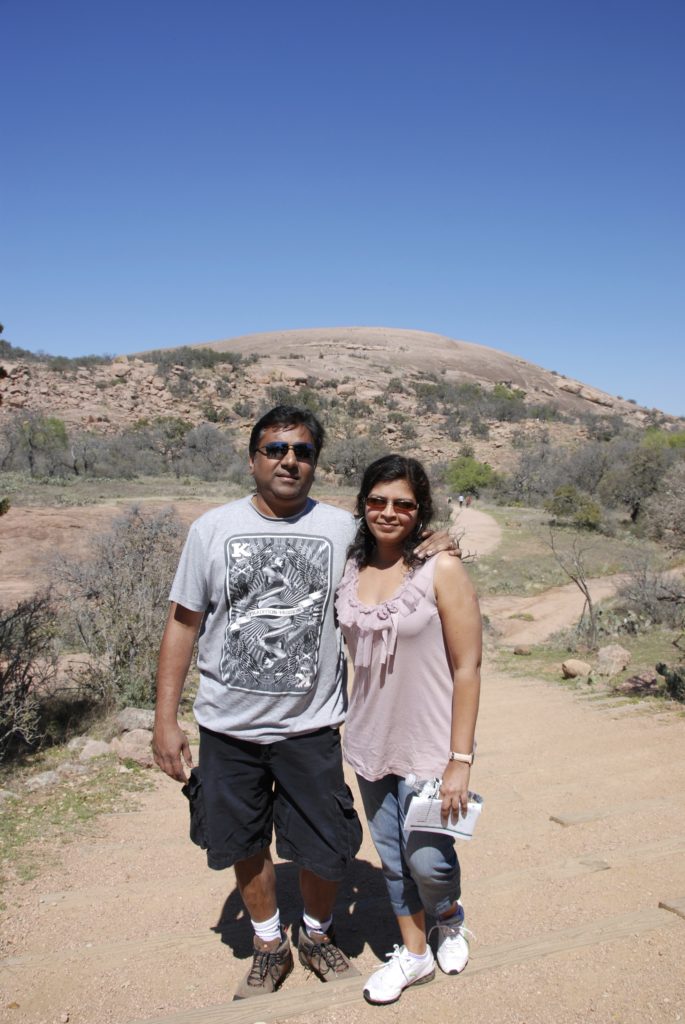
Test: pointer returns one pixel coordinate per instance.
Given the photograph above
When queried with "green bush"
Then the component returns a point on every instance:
(466, 475)
(675, 681)
(572, 505)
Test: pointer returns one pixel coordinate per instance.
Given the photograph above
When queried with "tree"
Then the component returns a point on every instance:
(635, 474)
(466, 475)
(168, 437)
(572, 563)
(350, 456)
(207, 453)
(35, 442)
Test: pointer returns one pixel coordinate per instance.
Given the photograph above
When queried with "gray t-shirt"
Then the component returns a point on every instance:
(270, 656)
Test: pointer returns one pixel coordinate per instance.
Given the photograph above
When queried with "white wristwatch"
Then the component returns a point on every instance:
(466, 758)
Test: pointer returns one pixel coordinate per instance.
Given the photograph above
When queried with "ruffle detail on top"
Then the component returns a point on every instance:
(376, 625)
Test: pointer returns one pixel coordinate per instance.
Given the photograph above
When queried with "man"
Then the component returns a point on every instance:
(257, 579)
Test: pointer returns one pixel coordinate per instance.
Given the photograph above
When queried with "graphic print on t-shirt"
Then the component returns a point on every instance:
(277, 589)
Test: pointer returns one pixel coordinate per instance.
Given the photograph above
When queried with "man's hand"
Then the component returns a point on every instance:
(170, 748)
(442, 540)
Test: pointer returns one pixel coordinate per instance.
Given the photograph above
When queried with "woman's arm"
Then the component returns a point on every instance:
(461, 625)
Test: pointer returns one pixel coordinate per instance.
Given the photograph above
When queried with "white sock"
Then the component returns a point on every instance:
(418, 956)
(268, 930)
(312, 925)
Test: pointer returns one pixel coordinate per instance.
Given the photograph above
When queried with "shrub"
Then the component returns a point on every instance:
(665, 510)
(654, 598)
(571, 504)
(27, 670)
(116, 602)
(675, 681)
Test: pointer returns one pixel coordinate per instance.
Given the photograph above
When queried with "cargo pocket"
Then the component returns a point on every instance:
(198, 822)
(352, 838)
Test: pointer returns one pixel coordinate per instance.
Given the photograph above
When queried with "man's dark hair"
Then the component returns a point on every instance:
(288, 416)
(384, 470)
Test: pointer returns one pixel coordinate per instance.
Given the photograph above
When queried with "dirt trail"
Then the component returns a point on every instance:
(545, 613)
(574, 886)
(581, 840)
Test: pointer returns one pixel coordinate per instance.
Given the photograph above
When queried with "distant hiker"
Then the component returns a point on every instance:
(461, 501)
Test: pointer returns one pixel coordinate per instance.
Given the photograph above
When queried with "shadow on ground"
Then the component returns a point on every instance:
(362, 912)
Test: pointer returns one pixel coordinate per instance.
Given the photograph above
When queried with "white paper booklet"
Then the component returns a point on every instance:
(424, 816)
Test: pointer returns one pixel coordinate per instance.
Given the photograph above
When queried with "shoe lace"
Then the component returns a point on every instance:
(330, 954)
(451, 929)
(263, 963)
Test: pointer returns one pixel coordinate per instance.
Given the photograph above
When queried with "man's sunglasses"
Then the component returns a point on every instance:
(400, 505)
(277, 450)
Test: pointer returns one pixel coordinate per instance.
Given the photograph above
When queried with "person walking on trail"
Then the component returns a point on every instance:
(256, 580)
(414, 632)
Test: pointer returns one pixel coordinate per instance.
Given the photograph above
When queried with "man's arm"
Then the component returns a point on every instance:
(169, 741)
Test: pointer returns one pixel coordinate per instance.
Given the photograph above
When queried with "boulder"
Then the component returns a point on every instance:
(70, 768)
(612, 659)
(134, 718)
(574, 667)
(522, 650)
(42, 781)
(94, 748)
(77, 743)
(135, 746)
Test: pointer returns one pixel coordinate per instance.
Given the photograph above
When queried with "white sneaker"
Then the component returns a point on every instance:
(453, 949)
(402, 969)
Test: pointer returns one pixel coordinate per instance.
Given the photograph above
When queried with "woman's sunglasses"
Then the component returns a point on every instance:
(277, 450)
(403, 506)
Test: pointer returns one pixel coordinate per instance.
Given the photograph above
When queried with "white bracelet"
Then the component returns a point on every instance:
(465, 758)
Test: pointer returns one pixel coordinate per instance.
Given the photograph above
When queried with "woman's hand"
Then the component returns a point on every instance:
(433, 542)
(455, 790)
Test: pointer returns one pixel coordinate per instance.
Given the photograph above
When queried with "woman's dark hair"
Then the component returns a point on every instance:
(288, 416)
(383, 470)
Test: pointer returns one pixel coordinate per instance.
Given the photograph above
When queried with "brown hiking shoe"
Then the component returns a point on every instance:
(271, 964)
(320, 954)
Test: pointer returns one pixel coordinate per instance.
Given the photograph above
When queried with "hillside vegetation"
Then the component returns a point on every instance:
(485, 423)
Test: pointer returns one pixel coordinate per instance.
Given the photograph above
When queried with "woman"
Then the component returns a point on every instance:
(414, 632)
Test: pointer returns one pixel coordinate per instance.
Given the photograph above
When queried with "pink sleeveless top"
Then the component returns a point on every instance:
(400, 714)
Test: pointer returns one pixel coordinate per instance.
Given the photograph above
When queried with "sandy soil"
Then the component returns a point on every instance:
(574, 886)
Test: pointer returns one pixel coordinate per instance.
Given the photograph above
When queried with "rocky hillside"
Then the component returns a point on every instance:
(389, 383)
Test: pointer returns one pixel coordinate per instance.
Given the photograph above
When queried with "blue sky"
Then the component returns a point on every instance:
(506, 173)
